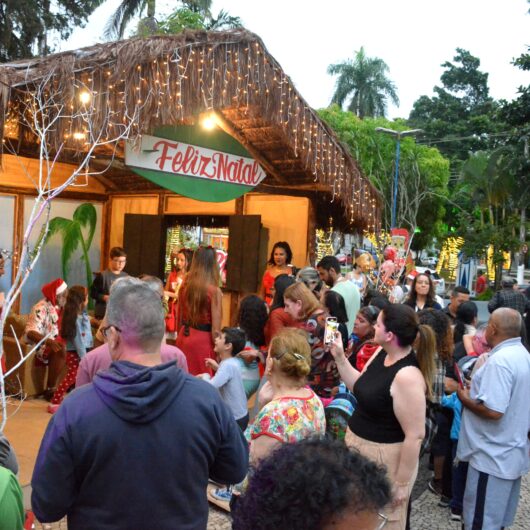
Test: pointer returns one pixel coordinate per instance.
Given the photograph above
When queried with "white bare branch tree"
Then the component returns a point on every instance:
(42, 111)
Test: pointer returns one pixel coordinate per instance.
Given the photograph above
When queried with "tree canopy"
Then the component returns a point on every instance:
(25, 25)
(364, 82)
(460, 117)
(423, 171)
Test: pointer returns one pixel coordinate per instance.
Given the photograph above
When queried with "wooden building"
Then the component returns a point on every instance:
(146, 86)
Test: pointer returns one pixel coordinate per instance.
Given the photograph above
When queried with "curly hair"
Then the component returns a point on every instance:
(252, 318)
(325, 479)
(441, 325)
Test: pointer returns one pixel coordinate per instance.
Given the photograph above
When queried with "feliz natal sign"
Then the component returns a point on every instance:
(204, 165)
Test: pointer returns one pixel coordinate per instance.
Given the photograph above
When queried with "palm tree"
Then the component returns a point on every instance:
(128, 9)
(71, 230)
(363, 79)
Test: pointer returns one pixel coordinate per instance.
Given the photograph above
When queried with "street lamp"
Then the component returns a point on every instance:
(398, 135)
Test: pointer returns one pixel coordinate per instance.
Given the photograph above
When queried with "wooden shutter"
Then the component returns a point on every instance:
(144, 241)
(245, 253)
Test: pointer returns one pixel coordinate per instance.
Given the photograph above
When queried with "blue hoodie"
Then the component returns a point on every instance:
(134, 451)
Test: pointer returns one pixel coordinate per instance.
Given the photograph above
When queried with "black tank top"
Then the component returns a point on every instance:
(374, 417)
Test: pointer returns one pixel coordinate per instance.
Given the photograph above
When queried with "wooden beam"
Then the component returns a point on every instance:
(229, 128)
(77, 195)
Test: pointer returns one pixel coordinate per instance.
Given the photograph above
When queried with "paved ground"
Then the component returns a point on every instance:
(426, 515)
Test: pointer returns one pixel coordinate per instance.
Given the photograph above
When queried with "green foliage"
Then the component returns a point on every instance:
(25, 24)
(364, 80)
(76, 233)
(423, 172)
(461, 117)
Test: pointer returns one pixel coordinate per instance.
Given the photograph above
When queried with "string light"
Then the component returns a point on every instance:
(228, 74)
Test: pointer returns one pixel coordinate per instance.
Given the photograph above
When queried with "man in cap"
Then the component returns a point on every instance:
(43, 322)
(509, 297)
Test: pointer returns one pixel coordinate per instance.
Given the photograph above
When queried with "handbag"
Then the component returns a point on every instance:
(431, 428)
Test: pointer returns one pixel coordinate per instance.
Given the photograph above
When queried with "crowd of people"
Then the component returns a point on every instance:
(320, 375)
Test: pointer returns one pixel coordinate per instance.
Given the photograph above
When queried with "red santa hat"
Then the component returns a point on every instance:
(52, 289)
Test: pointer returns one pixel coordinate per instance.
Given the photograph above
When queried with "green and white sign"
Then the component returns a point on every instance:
(204, 165)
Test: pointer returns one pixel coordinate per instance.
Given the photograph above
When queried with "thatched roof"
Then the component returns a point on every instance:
(170, 80)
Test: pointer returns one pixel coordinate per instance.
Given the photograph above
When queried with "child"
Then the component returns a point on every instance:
(459, 474)
(102, 282)
(180, 264)
(228, 378)
(253, 316)
(77, 333)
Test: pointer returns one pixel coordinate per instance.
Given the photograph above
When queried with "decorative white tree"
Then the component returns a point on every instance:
(38, 110)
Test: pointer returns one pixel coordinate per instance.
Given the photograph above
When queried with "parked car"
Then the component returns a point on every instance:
(429, 261)
(439, 282)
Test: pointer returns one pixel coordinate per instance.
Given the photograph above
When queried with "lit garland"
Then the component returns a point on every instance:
(178, 79)
(449, 256)
(324, 243)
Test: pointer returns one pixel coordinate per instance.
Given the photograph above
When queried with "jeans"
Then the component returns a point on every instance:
(459, 483)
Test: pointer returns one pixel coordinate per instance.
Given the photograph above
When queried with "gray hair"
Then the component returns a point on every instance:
(136, 309)
(153, 282)
(308, 274)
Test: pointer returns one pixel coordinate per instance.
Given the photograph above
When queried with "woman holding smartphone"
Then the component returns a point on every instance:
(388, 424)
(302, 305)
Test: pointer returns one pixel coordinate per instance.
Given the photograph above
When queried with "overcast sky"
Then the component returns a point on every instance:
(414, 37)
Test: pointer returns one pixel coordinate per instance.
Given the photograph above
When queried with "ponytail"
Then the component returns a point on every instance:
(425, 354)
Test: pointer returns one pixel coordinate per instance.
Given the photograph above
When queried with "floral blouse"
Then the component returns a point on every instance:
(43, 319)
(289, 419)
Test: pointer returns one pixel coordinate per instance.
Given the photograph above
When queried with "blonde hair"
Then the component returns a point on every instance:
(291, 353)
(425, 354)
(300, 291)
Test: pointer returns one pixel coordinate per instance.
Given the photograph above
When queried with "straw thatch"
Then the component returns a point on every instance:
(170, 80)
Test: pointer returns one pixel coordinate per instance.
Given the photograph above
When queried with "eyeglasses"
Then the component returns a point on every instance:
(383, 519)
(119, 260)
(105, 330)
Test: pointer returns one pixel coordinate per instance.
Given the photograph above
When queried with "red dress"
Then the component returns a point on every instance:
(268, 284)
(196, 343)
(174, 281)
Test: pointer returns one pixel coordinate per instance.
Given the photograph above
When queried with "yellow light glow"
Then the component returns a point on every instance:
(79, 136)
(85, 97)
(209, 122)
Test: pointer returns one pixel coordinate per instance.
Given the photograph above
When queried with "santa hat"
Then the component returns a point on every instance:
(52, 289)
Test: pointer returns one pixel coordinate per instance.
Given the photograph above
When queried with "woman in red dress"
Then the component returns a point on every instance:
(279, 263)
(199, 311)
(180, 264)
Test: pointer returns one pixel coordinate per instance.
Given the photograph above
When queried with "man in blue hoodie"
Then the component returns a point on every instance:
(134, 450)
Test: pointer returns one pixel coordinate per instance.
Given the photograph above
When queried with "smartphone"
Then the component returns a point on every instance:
(459, 376)
(332, 326)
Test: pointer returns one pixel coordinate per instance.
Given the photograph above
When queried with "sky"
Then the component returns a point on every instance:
(414, 38)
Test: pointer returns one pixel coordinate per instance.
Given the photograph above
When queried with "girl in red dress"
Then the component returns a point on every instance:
(199, 311)
(279, 263)
(180, 264)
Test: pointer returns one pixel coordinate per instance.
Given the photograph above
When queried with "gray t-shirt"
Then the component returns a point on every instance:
(229, 381)
(499, 447)
(352, 300)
